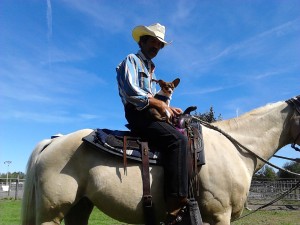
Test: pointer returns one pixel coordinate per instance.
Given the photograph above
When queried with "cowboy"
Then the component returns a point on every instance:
(134, 75)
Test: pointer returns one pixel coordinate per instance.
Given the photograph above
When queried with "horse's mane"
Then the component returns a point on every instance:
(251, 117)
(259, 127)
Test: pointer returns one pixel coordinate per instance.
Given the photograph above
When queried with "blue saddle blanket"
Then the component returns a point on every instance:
(112, 141)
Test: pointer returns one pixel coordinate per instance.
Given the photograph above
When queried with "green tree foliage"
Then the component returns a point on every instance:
(266, 172)
(13, 175)
(291, 166)
(208, 116)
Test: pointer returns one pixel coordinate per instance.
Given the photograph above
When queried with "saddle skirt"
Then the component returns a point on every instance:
(112, 141)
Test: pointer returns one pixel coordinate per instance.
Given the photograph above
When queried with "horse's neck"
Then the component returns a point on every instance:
(262, 130)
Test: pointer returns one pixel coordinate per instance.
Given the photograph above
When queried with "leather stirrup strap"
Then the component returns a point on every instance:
(196, 150)
(124, 154)
(147, 198)
(194, 156)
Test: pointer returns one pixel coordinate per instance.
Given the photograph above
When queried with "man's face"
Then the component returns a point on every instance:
(151, 47)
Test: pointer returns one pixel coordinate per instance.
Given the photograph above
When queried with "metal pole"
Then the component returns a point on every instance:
(17, 188)
(7, 162)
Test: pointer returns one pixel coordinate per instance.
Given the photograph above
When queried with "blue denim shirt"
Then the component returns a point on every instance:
(134, 78)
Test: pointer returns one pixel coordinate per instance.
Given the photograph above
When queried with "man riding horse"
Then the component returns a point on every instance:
(136, 89)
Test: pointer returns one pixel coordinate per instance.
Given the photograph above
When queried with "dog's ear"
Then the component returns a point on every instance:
(176, 82)
(161, 83)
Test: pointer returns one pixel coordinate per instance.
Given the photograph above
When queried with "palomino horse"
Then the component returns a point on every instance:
(66, 179)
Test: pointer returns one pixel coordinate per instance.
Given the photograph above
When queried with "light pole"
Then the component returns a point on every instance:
(7, 162)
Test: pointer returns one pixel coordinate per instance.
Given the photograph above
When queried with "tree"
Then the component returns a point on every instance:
(208, 116)
(291, 166)
(13, 175)
(266, 172)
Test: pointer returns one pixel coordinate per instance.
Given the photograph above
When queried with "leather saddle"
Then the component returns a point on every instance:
(127, 144)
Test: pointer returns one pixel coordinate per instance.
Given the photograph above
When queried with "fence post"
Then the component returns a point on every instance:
(17, 188)
(9, 185)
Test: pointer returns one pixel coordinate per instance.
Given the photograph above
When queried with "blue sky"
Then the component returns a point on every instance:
(58, 59)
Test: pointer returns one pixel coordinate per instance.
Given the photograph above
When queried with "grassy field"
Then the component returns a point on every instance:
(10, 212)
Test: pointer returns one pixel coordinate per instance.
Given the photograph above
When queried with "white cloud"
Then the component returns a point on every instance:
(49, 117)
(49, 19)
(26, 81)
(253, 44)
(204, 91)
(109, 17)
(206, 55)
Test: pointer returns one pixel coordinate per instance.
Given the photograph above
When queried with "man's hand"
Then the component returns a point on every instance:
(176, 111)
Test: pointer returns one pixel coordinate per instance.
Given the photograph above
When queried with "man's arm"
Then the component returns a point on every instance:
(128, 83)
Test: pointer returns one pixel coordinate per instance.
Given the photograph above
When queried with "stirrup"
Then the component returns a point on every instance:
(181, 216)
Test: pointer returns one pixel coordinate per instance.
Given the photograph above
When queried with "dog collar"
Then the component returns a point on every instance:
(162, 97)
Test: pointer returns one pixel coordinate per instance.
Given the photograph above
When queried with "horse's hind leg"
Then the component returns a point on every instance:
(79, 214)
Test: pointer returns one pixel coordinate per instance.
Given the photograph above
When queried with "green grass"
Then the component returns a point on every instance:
(10, 213)
(270, 217)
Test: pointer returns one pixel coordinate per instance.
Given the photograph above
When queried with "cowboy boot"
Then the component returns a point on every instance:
(177, 211)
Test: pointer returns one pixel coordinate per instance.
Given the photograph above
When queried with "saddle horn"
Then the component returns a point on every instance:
(190, 109)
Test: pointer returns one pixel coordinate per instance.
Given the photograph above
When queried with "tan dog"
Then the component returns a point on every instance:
(164, 94)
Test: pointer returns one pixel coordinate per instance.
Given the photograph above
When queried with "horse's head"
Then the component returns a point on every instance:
(295, 120)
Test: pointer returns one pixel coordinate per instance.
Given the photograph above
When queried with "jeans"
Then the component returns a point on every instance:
(172, 144)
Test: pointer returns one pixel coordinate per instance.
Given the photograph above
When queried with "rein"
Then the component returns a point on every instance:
(242, 146)
(291, 159)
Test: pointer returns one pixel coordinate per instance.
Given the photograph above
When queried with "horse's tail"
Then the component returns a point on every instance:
(29, 195)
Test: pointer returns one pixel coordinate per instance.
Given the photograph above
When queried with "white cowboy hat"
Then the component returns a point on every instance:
(155, 30)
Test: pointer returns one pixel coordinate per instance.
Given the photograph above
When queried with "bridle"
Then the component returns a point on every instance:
(295, 103)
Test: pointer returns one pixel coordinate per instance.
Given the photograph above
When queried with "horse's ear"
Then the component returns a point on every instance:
(176, 82)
